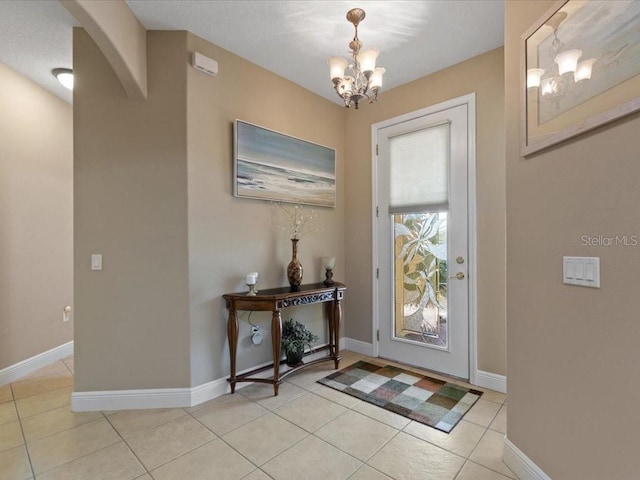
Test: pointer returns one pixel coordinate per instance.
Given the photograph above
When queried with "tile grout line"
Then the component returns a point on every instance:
(219, 437)
(43, 393)
(60, 431)
(73, 374)
(73, 459)
(348, 409)
(478, 463)
(461, 468)
(20, 418)
(67, 429)
(490, 469)
(128, 446)
(24, 439)
(276, 455)
(366, 462)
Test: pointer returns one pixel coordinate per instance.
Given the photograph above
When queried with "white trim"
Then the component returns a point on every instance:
(209, 391)
(363, 348)
(375, 291)
(520, 464)
(30, 365)
(492, 381)
(472, 240)
(130, 399)
(164, 397)
(469, 100)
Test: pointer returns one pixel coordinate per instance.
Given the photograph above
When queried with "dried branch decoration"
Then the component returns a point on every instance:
(295, 220)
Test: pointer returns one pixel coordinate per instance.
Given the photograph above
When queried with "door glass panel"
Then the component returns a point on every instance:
(420, 277)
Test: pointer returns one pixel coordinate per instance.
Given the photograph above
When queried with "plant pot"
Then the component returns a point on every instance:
(294, 357)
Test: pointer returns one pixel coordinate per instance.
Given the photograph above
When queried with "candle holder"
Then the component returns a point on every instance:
(251, 279)
(328, 263)
(328, 280)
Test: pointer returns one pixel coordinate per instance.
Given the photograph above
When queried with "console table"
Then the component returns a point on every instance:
(274, 300)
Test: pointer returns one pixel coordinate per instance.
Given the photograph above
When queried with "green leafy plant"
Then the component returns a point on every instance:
(295, 337)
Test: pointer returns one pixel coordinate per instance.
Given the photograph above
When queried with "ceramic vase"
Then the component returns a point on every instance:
(294, 269)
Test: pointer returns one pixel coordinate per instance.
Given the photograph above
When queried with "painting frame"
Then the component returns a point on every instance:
(276, 167)
(581, 115)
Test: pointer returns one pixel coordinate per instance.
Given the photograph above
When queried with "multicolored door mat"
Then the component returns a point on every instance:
(436, 403)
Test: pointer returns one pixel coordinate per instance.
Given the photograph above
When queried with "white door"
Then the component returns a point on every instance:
(422, 240)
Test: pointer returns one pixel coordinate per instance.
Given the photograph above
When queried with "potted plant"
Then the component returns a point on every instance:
(295, 337)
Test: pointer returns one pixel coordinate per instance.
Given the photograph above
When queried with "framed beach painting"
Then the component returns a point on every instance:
(276, 167)
(580, 70)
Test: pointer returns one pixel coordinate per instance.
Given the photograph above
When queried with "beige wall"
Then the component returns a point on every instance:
(153, 181)
(228, 236)
(573, 351)
(484, 76)
(130, 174)
(36, 218)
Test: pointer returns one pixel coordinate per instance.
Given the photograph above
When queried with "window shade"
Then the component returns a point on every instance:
(419, 170)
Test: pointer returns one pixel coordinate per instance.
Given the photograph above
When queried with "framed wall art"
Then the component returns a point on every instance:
(580, 69)
(276, 167)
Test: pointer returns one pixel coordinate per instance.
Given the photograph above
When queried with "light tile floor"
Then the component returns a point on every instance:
(308, 432)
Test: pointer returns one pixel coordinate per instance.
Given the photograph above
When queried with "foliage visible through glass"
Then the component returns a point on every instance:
(421, 277)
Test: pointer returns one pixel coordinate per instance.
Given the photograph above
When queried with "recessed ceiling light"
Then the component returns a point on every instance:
(64, 76)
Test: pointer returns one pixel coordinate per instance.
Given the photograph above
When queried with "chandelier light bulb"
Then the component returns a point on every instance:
(568, 61)
(376, 79)
(367, 60)
(337, 66)
(533, 77)
(583, 70)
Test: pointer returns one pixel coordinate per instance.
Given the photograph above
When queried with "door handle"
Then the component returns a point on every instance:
(458, 276)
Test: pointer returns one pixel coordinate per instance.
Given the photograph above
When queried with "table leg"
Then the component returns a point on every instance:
(329, 311)
(276, 339)
(337, 314)
(232, 335)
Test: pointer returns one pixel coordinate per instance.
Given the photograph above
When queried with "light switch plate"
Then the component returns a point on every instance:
(96, 261)
(581, 271)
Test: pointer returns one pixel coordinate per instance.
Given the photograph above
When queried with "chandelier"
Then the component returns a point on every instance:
(360, 78)
(557, 85)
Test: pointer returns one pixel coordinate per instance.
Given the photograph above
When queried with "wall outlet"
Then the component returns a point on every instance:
(256, 335)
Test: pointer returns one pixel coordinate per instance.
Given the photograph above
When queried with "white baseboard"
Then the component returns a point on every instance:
(164, 397)
(491, 381)
(30, 365)
(520, 464)
(358, 346)
(130, 399)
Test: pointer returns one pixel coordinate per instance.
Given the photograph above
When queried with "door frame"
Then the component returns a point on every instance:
(470, 101)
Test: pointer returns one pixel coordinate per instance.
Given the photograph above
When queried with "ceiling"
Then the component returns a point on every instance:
(290, 38)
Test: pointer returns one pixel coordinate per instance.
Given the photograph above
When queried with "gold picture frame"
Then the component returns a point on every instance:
(580, 69)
